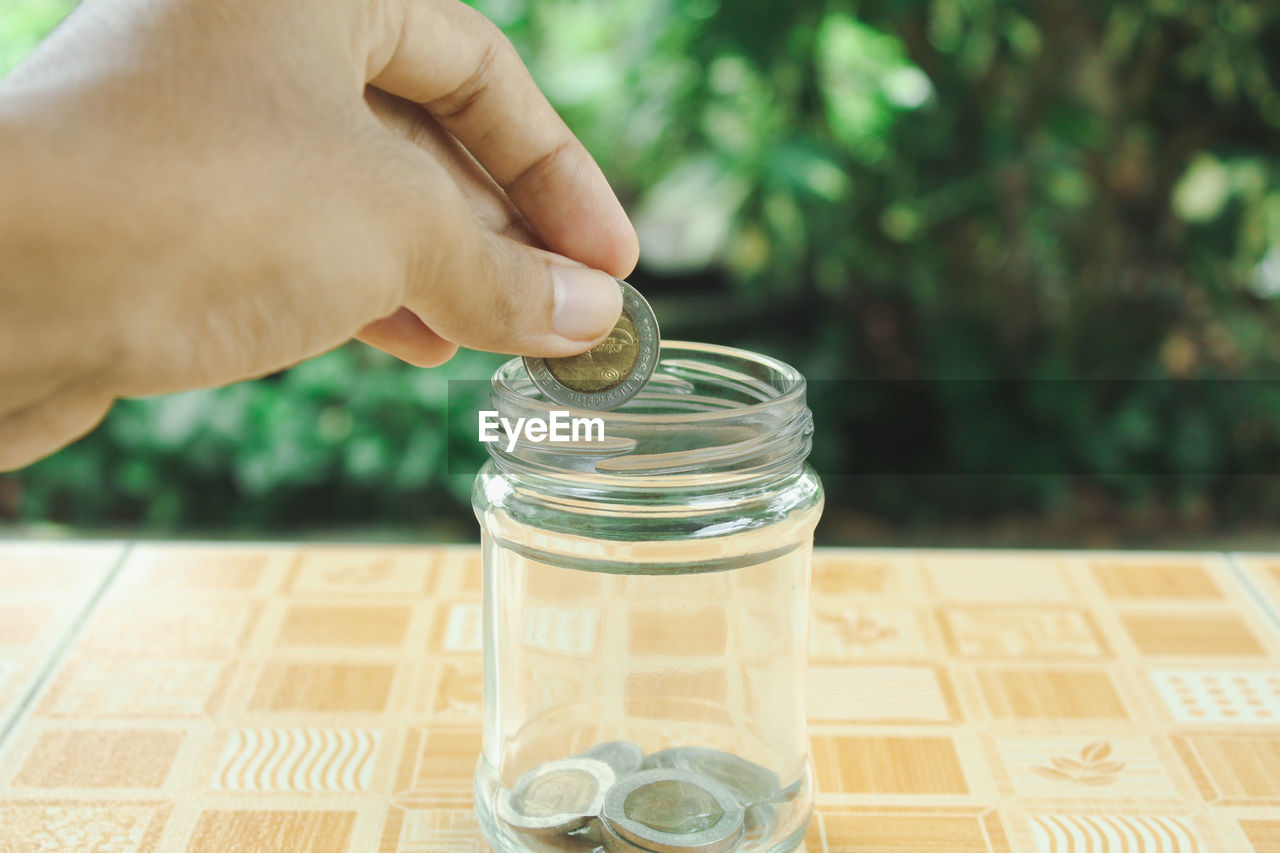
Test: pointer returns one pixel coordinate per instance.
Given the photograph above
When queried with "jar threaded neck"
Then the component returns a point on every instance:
(707, 410)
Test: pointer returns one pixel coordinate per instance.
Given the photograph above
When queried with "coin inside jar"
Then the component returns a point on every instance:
(748, 780)
(622, 755)
(556, 797)
(610, 373)
(611, 842)
(668, 810)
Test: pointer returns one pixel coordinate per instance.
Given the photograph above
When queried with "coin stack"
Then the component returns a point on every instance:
(613, 797)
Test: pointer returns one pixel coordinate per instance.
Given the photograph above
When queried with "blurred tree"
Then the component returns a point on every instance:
(1058, 193)
(920, 197)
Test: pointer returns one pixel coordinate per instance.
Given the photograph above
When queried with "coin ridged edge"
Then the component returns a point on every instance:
(617, 749)
(711, 840)
(688, 758)
(559, 823)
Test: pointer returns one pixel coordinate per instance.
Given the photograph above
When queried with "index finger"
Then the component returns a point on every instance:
(461, 68)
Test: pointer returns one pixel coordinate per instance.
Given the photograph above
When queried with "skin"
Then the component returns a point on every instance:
(198, 192)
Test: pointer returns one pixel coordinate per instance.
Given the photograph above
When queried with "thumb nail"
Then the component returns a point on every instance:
(587, 302)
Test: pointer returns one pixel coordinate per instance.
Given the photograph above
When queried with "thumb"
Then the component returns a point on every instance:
(489, 292)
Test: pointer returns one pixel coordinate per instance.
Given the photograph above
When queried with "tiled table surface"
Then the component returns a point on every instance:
(316, 699)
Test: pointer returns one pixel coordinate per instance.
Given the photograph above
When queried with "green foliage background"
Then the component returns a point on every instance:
(915, 190)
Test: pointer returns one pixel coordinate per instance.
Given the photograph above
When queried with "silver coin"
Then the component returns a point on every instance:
(593, 832)
(759, 823)
(556, 797)
(749, 781)
(610, 373)
(793, 790)
(622, 755)
(611, 842)
(574, 843)
(667, 810)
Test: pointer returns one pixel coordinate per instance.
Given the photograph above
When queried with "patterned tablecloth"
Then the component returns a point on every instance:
(214, 699)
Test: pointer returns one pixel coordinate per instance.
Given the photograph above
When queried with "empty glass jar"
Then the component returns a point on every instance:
(645, 616)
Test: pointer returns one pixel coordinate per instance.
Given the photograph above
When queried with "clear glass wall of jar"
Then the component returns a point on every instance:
(652, 589)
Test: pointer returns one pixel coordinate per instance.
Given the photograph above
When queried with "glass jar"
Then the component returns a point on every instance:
(646, 603)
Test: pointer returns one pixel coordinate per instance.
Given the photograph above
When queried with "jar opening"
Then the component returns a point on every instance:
(706, 409)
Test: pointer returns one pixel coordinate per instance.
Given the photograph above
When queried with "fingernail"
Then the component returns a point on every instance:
(588, 302)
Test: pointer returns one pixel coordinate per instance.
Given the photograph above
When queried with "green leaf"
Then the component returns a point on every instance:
(864, 78)
(686, 219)
(24, 23)
(1202, 192)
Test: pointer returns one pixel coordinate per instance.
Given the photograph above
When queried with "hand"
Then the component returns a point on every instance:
(202, 191)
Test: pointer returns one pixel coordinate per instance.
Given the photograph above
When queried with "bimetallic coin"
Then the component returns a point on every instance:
(593, 832)
(610, 373)
(748, 780)
(622, 755)
(759, 823)
(611, 842)
(605, 365)
(556, 797)
(668, 810)
(793, 790)
(573, 843)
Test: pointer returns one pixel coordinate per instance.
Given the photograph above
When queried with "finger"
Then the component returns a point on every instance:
(409, 339)
(476, 288)
(457, 64)
(485, 291)
(40, 428)
(485, 198)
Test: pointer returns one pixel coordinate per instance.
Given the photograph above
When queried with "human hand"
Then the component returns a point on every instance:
(209, 190)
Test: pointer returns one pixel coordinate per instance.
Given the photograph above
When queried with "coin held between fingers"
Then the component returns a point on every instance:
(614, 370)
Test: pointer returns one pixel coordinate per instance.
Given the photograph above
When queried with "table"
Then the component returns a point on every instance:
(325, 699)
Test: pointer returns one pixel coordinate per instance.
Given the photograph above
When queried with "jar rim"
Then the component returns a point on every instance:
(785, 385)
(707, 410)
